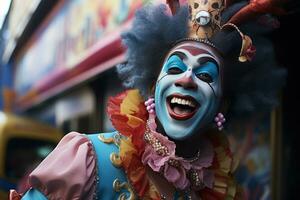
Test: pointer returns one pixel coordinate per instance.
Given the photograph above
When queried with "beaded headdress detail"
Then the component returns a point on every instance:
(205, 17)
(205, 20)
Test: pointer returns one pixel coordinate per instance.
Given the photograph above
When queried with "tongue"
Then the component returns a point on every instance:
(181, 111)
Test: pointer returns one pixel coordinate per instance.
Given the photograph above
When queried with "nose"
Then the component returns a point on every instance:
(186, 82)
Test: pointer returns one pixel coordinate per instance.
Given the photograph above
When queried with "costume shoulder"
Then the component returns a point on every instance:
(73, 170)
(68, 171)
(81, 165)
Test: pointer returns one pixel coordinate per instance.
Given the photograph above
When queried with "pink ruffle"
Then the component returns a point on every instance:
(69, 171)
(177, 174)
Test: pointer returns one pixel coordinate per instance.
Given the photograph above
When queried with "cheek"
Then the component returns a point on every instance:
(166, 81)
(209, 91)
(160, 76)
(206, 90)
(214, 88)
(218, 87)
(161, 86)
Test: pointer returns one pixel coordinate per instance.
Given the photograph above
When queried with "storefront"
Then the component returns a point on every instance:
(65, 73)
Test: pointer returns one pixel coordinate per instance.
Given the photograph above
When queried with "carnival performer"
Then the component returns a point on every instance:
(195, 64)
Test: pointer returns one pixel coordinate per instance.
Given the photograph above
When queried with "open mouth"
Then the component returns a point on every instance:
(182, 107)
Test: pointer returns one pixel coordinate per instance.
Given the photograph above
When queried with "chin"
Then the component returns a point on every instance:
(181, 131)
(182, 116)
(185, 117)
(181, 137)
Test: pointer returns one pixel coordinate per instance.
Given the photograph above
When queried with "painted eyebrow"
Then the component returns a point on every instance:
(179, 54)
(194, 50)
(204, 60)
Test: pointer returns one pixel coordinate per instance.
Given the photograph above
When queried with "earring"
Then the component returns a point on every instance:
(150, 105)
(220, 120)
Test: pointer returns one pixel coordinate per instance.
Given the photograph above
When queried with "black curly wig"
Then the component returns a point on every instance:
(249, 86)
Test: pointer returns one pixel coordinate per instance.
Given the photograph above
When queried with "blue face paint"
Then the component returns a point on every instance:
(209, 68)
(205, 96)
(174, 62)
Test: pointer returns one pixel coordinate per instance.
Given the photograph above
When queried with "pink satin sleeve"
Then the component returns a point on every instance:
(69, 171)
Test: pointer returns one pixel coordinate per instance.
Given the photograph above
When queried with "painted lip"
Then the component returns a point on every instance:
(182, 116)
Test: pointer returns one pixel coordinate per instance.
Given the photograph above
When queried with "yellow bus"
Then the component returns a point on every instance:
(23, 144)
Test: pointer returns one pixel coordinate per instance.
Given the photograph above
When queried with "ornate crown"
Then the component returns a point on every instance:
(206, 20)
(205, 17)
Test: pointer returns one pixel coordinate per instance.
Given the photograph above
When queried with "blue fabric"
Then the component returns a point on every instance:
(107, 172)
(33, 194)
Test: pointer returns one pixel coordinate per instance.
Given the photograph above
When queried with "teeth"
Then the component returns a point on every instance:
(182, 101)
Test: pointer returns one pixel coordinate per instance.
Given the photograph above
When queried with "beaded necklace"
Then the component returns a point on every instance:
(182, 173)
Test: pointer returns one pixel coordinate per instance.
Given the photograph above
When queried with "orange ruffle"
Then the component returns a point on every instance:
(129, 116)
(224, 164)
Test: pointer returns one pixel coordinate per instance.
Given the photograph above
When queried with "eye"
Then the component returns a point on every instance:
(205, 77)
(215, 5)
(174, 70)
(196, 5)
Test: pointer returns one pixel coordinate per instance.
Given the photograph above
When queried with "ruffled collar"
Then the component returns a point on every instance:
(182, 173)
(213, 169)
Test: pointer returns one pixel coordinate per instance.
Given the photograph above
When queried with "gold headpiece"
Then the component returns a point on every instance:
(205, 22)
(205, 17)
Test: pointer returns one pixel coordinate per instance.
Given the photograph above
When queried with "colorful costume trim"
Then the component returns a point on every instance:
(123, 112)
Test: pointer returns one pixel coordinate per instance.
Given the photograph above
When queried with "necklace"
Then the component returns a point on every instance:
(137, 153)
(195, 158)
(182, 173)
(159, 147)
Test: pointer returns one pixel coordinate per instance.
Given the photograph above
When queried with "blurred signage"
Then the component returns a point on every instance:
(74, 105)
(7, 93)
(19, 16)
(68, 38)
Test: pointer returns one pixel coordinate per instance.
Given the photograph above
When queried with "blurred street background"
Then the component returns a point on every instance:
(57, 71)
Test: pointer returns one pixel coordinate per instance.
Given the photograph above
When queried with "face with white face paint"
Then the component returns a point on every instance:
(188, 89)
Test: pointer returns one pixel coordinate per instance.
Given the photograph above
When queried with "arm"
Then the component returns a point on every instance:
(69, 171)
